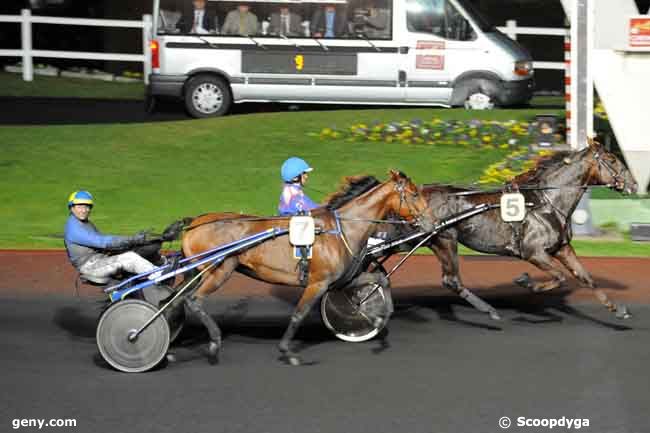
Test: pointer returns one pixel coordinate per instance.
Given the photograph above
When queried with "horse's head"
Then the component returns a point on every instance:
(408, 202)
(608, 169)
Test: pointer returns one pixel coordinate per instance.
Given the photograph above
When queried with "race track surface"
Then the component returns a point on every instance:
(442, 367)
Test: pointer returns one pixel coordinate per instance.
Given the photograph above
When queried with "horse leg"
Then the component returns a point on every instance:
(376, 278)
(544, 262)
(310, 296)
(194, 303)
(447, 252)
(567, 256)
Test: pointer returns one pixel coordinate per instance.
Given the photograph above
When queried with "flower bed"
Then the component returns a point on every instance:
(483, 135)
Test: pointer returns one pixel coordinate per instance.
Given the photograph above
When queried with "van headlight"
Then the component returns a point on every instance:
(524, 68)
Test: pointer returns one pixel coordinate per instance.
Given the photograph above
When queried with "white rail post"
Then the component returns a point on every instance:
(147, 34)
(26, 32)
(582, 83)
(511, 29)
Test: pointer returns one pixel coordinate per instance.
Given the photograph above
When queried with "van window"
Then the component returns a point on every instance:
(355, 19)
(372, 19)
(440, 18)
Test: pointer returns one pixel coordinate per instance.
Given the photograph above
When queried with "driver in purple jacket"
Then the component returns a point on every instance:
(293, 199)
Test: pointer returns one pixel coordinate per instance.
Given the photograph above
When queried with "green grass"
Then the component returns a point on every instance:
(147, 175)
(61, 87)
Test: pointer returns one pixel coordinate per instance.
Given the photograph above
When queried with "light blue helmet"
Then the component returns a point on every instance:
(80, 197)
(294, 167)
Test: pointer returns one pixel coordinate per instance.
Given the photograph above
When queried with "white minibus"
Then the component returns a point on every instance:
(211, 54)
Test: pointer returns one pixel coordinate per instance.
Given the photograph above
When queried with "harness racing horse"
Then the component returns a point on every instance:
(345, 227)
(554, 187)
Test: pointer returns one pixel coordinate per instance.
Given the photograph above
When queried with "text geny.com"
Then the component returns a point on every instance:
(40, 423)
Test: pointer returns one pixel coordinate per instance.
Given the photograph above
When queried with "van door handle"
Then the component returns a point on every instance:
(402, 78)
(403, 50)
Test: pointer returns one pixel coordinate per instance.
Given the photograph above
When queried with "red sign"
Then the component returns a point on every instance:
(430, 45)
(429, 62)
(639, 32)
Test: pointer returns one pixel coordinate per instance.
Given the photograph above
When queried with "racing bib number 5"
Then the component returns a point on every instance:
(513, 207)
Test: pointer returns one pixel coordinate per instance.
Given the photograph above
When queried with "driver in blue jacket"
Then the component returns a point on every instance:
(90, 251)
(295, 173)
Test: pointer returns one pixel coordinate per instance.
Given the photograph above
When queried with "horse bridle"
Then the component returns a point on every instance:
(617, 176)
(417, 216)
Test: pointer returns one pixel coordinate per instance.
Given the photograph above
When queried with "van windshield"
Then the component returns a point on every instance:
(440, 18)
(477, 16)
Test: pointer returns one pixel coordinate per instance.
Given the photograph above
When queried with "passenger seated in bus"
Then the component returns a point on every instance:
(295, 172)
(328, 22)
(285, 23)
(240, 21)
(197, 18)
(168, 21)
(372, 20)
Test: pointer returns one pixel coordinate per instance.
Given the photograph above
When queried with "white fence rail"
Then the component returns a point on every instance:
(512, 31)
(27, 52)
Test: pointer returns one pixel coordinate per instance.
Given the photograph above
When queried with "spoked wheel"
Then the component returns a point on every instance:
(159, 295)
(120, 321)
(356, 315)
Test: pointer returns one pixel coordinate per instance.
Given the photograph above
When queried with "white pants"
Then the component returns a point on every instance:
(103, 267)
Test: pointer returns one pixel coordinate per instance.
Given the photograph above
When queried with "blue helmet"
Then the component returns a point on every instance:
(80, 197)
(294, 167)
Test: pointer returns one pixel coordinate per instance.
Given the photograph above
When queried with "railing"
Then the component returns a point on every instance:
(26, 19)
(512, 31)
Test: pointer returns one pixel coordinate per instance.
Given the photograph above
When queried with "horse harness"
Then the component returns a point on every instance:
(357, 259)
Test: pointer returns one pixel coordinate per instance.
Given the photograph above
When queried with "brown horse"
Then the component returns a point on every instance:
(345, 223)
(554, 187)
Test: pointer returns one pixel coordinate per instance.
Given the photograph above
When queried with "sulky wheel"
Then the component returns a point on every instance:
(158, 295)
(121, 320)
(353, 321)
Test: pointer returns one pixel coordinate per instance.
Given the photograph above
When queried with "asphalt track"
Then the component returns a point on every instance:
(442, 367)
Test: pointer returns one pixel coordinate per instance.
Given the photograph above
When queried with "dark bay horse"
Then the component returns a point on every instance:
(347, 222)
(554, 187)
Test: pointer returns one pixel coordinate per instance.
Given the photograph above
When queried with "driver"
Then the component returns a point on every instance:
(94, 254)
(293, 199)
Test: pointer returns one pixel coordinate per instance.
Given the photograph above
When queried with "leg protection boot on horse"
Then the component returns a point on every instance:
(479, 304)
(286, 354)
(194, 305)
(453, 284)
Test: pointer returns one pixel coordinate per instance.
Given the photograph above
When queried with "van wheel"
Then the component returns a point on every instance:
(476, 94)
(207, 96)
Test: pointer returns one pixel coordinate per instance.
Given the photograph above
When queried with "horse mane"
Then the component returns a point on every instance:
(542, 163)
(351, 188)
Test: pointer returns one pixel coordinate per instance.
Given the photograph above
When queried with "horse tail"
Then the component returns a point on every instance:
(173, 231)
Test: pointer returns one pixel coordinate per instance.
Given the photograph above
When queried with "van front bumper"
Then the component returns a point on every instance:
(166, 85)
(517, 92)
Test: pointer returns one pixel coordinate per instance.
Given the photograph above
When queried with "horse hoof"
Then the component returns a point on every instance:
(378, 322)
(171, 357)
(622, 312)
(291, 359)
(495, 316)
(524, 281)
(213, 353)
(541, 289)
